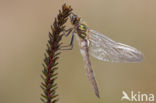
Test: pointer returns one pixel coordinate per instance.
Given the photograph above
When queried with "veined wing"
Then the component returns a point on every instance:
(88, 67)
(103, 48)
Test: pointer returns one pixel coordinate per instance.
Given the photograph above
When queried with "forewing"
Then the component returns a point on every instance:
(103, 48)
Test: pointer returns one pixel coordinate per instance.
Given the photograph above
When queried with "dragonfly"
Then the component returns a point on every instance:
(99, 46)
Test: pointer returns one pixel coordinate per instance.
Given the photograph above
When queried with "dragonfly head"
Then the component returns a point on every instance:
(75, 19)
(80, 27)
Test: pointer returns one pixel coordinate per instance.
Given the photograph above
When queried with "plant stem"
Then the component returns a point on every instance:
(51, 56)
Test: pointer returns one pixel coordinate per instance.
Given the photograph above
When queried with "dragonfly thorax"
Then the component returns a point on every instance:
(81, 30)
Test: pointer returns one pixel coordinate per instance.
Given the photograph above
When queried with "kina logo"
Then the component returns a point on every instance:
(137, 97)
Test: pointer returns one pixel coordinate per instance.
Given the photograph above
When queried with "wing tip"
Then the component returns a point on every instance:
(139, 57)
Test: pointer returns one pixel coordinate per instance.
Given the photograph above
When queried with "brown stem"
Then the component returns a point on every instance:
(50, 62)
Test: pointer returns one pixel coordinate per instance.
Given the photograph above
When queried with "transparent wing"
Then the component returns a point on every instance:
(103, 48)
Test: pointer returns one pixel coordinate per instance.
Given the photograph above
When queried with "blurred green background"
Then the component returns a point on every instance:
(24, 27)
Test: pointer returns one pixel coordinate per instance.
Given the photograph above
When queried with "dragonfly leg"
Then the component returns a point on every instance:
(67, 32)
(70, 46)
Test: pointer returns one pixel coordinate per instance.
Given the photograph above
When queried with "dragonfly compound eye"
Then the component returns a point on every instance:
(75, 19)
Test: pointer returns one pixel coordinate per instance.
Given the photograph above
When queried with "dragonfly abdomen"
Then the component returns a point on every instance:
(85, 54)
